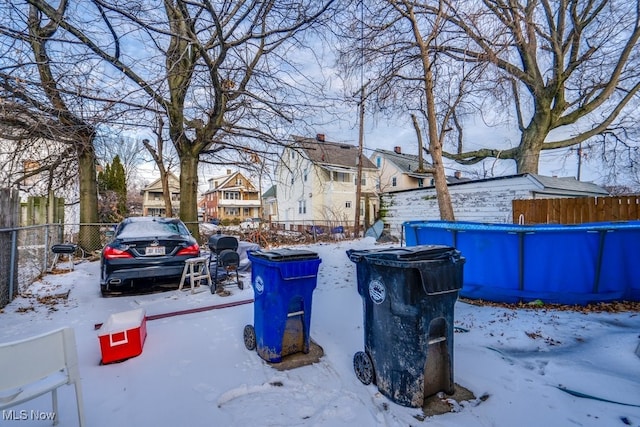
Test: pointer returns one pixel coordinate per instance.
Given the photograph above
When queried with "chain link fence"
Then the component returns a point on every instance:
(25, 256)
(25, 252)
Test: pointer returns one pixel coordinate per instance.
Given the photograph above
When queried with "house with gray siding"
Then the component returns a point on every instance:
(485, 200)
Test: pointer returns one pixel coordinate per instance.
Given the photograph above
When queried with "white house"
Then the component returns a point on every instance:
(270, 204)
(45, 174)
(316, 182)
(485, 200)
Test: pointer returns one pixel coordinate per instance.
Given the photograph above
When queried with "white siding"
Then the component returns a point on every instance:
(483, 201)
(324, 198)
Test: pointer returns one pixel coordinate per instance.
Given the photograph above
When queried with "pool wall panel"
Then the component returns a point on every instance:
(580, 264)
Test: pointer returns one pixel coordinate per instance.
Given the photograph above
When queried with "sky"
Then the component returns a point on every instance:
(195, 370)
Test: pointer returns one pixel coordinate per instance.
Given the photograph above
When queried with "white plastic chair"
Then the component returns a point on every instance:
(37, 365)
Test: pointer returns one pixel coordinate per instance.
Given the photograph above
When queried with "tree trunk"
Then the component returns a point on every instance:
(531, 142)
(189, 191)
(89, 237)
(435, 147)
(435, 143)
(166, 193)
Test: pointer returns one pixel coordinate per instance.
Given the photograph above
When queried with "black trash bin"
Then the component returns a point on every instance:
(408, 300)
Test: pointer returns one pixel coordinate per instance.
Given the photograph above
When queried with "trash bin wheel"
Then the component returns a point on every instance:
(363, 367)
(249, 337)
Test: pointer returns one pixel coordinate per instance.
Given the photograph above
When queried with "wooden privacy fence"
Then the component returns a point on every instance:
(576, 210)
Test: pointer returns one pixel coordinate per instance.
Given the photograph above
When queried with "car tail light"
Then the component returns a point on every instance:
(113, 253)
(190, 250)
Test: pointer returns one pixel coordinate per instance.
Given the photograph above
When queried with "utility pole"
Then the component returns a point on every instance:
(356, 224)
(579, 159)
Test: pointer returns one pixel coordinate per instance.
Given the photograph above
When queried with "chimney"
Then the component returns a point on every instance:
(320, 137)
(397, 149)
(458, 174)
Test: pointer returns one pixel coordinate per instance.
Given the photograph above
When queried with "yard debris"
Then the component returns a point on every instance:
(601, 307)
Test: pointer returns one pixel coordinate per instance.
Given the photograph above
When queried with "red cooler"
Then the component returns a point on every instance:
(122, 335)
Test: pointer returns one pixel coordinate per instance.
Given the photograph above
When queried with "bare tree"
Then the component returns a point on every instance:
(59, 85)
(397, 43)
(32, 154)
(157, 153)
(567, 68)
(127, 148)
(206, 65)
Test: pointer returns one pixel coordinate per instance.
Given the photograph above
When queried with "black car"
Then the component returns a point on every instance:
(145, 251)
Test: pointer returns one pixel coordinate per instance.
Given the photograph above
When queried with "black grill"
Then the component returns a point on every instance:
(219, 242)
(228, 259)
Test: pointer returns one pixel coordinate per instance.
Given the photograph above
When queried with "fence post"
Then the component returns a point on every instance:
(9, 218)
(46, 248)
(12, 269)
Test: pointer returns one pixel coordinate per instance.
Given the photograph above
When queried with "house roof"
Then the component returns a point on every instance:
(327, 154)
(567, 185)
(271, 192)
(226, 179)
(223, 179)
(174, 183)
(407, 163)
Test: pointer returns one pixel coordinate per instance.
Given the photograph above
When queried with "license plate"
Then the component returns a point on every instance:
(154, 250)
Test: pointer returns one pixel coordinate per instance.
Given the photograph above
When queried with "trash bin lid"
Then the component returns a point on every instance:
(407, 253)
(285, 254)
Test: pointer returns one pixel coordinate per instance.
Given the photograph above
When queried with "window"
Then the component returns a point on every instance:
(394, 181)
(302, 206)
(238, 181)
(363, 180)
(378, 161)
(347, 205)
(420, 182)
(231, 195)
(341, 177)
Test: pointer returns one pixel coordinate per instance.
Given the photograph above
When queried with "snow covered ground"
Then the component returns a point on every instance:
(195, 370)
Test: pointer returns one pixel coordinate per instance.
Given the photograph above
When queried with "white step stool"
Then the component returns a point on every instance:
(196, 269)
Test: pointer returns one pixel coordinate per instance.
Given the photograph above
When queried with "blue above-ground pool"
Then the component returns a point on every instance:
(561, 264)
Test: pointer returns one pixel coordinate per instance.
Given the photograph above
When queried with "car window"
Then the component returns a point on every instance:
(150, 228)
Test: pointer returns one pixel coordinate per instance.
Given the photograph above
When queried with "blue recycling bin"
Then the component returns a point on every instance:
(283, 281)
(408, 298)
